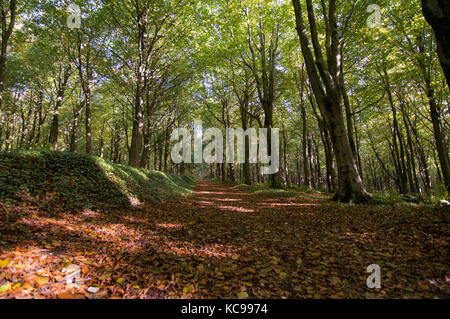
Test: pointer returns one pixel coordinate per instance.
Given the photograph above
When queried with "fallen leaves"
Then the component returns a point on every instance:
(242, 295)
(205, 249)
(5, 287)
(41, 281)
(4, 263)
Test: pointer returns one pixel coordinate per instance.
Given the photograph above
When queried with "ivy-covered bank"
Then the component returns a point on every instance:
(76, 181)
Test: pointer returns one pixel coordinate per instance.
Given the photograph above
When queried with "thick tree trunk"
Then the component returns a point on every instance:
(6, 31)
(350, 187)
(349, 181)
(138, 128)
(437, 14)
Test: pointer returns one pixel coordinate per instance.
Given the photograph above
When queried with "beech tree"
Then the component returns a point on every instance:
(359, 109)
(7, 20)
(325, 82)
(437, 14)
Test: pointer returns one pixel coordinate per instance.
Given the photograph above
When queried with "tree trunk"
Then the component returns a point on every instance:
(138, 128)
(73, 130)
(88, 119)
(264, 75)
(246, 166)
(147, 145)
(410, 153)
(437, 14)
(7, 29)
(439, 138)
(350, 185)
(305, 155)
(62, 84)
(349, 181)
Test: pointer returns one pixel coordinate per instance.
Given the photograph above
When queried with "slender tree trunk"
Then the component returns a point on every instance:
(73, 130)
(397, 145)
(41, 117)
(285, 159)
(305, 155)
(223, 174)
(147, 145)
(275, 179)
(246, 169)
(166, 148)
(348, 114)
(63, 79)
(85, 73)
(411, 163)
(88, 127)
(264, 75)
(439, 138)
(34, 125)
(138, 127)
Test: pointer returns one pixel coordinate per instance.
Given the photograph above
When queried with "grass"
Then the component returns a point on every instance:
(73, 181)
(265, 190)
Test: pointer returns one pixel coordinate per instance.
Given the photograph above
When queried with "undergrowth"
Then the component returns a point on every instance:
(51, 179)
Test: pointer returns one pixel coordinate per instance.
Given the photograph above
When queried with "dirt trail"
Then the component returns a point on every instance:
(223, 242)
(232, 198)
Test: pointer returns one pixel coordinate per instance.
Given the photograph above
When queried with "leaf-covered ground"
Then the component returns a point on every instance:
(224, 242)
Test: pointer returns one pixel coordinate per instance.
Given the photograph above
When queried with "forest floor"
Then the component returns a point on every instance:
(224, 242)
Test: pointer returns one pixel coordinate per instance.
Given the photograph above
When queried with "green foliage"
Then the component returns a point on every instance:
(76, 181)
(391, 196)
(440, 192)
(198, 55)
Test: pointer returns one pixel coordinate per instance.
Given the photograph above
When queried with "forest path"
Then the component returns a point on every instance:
(223, 242)
(306, 246)
(229, 198)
